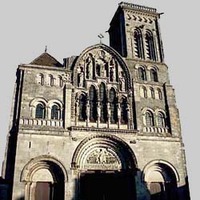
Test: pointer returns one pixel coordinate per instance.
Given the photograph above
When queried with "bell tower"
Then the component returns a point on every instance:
(134, 32)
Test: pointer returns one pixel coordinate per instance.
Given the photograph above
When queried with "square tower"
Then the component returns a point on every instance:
(102, 125)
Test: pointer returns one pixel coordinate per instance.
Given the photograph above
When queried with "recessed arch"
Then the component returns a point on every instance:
(45, 178)
(39, 162)
(114, 149)
(161, 179)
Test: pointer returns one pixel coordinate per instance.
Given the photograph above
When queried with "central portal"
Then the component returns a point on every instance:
(105, 185)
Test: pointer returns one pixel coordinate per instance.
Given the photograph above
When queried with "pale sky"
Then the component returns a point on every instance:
(68, 27)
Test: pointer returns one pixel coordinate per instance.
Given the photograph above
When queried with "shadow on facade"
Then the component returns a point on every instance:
(20, 198)
(109, 186)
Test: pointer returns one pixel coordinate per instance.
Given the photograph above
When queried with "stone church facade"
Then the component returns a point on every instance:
(102, 125)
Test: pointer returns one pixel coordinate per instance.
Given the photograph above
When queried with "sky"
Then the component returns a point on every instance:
(68, 27)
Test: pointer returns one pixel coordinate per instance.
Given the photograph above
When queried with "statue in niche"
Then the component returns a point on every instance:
(118, 110)
(112, 72)
(122, 82)
(89, 67)
(80, 76)
(101, 67)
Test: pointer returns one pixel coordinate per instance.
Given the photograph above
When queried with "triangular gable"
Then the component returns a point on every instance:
(46, 59)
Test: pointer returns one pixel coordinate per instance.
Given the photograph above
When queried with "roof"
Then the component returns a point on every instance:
(46, 59)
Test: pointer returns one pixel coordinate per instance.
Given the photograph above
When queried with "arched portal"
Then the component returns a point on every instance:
(161, 179)
(45, 179)
(106, 166)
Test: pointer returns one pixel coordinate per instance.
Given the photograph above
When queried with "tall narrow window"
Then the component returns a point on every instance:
(50, 80)
(40, 111)
(103, 105)
(124, 111)
(149, 119)
(161, 120)
(150, 46)
(93, 104)
(40, 79)
(55, 112)
(142, 74)
(82, 107)
(138, 41)
(60, 81)
(144, 92)
(113, 106)
(152, 93)
(154, 75)
(159, 94)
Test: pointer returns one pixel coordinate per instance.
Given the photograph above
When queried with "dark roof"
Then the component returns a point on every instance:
(46, 59)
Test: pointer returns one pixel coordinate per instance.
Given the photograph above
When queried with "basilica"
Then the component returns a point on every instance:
(103, 125)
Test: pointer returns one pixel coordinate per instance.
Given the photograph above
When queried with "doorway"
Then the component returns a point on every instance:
(105, 185)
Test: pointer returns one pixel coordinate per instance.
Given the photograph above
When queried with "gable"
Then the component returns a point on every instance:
(46, 59)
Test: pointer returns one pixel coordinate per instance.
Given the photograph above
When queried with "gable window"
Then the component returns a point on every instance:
(40, 79)
(50, 80)
(40, 111)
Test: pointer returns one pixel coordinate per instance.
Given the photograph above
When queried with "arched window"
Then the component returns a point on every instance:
(144, 92)
(154, 75)
(40, 111)
(113, 106)
(82, 107)
(40, 79)
(159, 94)
(55, 112)
(152, 93)
(138, 41)
(93, 104)
(142, 74)
(50, 80)
(98, 70)
(149, 119)
(161, 120)
(124, 111)
(60, 81)
(150, 46)
(103, 105)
